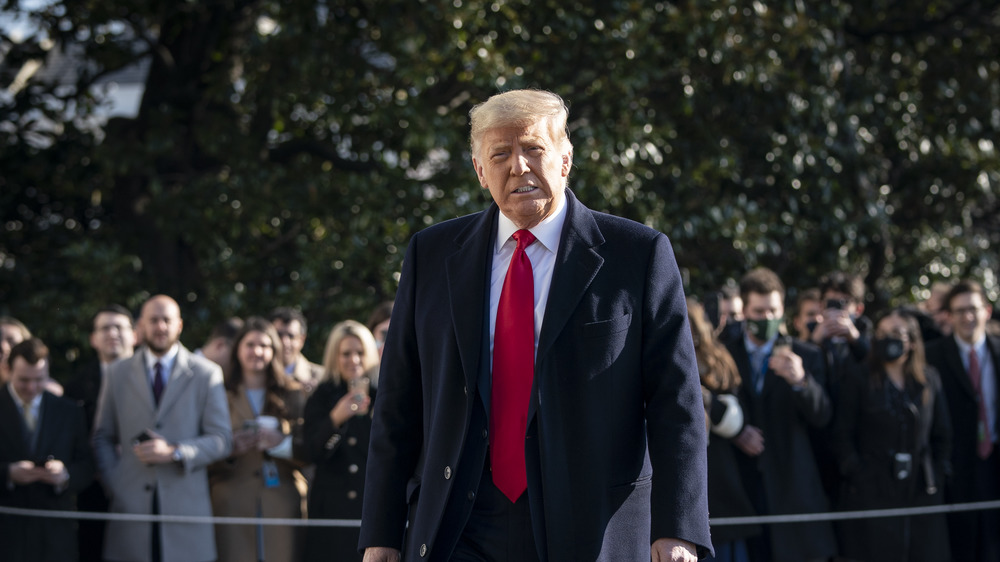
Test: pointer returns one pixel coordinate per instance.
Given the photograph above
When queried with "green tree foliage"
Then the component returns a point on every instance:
(284, 152)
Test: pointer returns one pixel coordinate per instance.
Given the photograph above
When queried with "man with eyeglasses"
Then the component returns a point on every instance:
(968, 361)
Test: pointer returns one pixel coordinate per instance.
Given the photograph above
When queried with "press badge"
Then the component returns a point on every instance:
(270, 473)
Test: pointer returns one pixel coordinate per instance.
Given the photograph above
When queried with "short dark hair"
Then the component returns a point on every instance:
(32, 350)
(286, 314)
(729, 291)
(961, 288)
(113, 309)
(227, 329)
(843, 282)
(381, 313)
(762, 281)
(811, 294)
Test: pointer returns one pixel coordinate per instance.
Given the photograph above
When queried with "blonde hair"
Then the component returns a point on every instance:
(520, 108)
(353, 329)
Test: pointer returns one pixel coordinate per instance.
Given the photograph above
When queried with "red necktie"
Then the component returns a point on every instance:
(157, 382)
(513, 371)
(984, 441)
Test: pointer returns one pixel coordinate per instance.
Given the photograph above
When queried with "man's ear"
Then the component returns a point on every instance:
(479, 172)
(567, 163)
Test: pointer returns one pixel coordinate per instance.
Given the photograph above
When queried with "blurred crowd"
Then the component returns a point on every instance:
(243, 426)
(818, 409)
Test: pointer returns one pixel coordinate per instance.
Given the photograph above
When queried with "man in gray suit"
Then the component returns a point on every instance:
(161, 420)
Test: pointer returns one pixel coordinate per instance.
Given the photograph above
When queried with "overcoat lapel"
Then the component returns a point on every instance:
(467, 291)
(13, 433)
(955, 365)
(138, 383)
(577, 264)
(180, 377)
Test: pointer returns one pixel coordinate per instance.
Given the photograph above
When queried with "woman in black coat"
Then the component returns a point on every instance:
(720, 380)
(893, 440)
(337, 428)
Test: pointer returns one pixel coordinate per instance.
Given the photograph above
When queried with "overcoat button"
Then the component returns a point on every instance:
(423, 550)
(447, 473)
(352, 441)
(353, 469)
(472, 496)
(352, 495)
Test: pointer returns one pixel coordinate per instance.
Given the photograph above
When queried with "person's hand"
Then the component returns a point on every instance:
(23, 473)
(244, 441)
(54, 472)
(349, 405)
(155, 450)
(381, 554)
(673, 550)
(840, 324)
(750, 441)
(787, 365)
(269, 438)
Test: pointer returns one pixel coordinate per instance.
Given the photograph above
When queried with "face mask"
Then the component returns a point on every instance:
(811, 327)
(764, 329)
(889, 349)
(731, 331)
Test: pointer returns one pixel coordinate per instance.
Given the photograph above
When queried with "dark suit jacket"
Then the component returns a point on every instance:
(787, 468)
(963, 409)
(615, 447)
(62, 435)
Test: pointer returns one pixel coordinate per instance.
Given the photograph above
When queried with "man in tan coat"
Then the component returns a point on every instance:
(162, 418)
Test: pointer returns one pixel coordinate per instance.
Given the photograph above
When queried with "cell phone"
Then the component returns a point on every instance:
(142, 437)
(783, 341)
(836, 304)
(41, 462)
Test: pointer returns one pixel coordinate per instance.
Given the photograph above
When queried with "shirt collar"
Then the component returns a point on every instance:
(548, 232)
(964, 347)
(166, 362)
(753, 348)
(35, 402)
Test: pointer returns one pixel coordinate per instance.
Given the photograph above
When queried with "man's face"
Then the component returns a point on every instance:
(27, 380)
(113, 336)
(730, 310)
(760, 306)
(292, 339)
(810, 314)
(161, 324)
(525, 170)
(968, 314)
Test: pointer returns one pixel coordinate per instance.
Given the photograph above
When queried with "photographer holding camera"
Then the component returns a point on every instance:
(893, 441)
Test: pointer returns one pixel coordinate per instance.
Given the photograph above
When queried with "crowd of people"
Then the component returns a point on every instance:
(817, 410)
(244, 426)
(826, 409)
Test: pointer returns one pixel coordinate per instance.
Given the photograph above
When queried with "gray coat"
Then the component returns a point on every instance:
(193, 414)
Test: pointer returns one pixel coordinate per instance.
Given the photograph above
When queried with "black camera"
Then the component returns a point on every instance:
(837, 304)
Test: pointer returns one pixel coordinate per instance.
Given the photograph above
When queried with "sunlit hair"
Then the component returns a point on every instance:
(32, 350)
(717, 369)
(520, 108)
(353, 329)
(9, 321)
(761, 281)
(276, 382)
(915, 365)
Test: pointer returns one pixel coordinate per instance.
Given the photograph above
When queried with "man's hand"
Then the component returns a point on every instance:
(23, 473)
(381, 554)
(244, 440)
(155, 450)
(787, 365)
(674, 550)
(750, 441)
(54, 472)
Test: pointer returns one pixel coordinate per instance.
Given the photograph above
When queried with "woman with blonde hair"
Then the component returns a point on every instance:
(720, 381)
(262, 477)
(337, 429)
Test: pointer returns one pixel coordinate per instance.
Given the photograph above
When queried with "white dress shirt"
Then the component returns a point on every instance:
(542, 255)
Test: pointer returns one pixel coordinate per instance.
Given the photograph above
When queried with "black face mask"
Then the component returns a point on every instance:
(811, 327)
(888, 350)
(732, 331)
